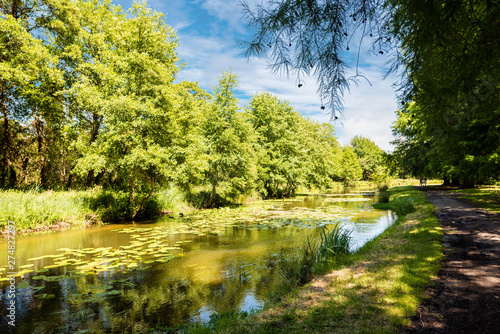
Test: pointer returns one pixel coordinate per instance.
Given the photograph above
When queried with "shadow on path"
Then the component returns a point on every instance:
(466, 295)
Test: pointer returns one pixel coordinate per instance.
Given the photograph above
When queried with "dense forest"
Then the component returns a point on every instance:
(89, 98)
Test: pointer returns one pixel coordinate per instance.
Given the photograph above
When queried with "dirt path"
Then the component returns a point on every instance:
(466, 297)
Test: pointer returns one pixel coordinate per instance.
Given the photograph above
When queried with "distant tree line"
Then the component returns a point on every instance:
(88, 97)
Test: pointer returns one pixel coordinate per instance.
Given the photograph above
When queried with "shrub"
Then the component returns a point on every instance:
(384, 197)
(114, 206)
(383, 188)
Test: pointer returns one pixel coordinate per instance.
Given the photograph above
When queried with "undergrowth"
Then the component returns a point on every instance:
(35, 209)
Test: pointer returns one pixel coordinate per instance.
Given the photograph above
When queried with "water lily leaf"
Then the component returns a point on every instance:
(23, 285)
(45, 296)
(39, 277)
(22, 272)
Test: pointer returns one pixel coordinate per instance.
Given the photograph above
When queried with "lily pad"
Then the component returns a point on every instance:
(45, 296)
(23, 285)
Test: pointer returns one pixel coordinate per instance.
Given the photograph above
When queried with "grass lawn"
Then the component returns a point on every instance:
(485, 197)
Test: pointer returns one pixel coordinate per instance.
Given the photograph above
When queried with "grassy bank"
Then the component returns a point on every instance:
(376, 291)
(36, 210)
(485, 197)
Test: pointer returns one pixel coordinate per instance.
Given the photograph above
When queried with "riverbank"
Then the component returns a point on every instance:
(35, 211)
(376, 291)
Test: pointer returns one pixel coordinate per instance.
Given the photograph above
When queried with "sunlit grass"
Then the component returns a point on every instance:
(39, 210)
(487, 197)
(30, 209)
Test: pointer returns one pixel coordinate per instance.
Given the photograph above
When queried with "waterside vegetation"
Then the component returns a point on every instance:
(375, 290)
(90, 103)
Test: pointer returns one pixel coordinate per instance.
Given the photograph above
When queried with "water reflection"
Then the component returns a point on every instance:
(213, 263)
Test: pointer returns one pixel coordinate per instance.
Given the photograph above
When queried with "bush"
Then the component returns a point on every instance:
(384, 197)
(332, 244)
(114, 206)
(383, 188)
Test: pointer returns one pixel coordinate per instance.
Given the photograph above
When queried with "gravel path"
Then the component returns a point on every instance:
(466, 296)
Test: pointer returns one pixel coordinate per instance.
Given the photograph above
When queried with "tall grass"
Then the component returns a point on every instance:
(403, 205)
(32, 208)
(316, 256)
(331, 244)
(35, 209)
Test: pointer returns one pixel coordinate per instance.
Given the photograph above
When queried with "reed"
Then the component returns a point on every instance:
(403, 205)
(32, 208)
(332, 244)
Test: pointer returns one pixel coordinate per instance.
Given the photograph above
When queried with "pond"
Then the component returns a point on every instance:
(127, 278)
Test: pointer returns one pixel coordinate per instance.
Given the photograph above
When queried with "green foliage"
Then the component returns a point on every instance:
(443, 52)
(317, 255)
(383, 196)
(449, 125)
(291, 150)
(113, 206)
(34, 209)
(403, 205)
(332, 244)
(280, 165)
(89, 98)
(370, 156)
(350, 169)
(230, 140)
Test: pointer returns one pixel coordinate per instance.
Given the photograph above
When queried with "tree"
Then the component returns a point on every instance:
(445, 51)
(370, 156)
(454, 88)
(139, 103)
(323, 153)
(311, 37)
(350, 169)
(29, 101)
(229, 143)
(282, 153)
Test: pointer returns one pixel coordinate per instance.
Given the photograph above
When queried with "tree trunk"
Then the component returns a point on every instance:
(94, 131)
(131, 197)
(145, 198)
(212, 196)
(41, 152)
(7, 169)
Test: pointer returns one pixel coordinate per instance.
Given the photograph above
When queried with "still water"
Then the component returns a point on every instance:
(127, 278)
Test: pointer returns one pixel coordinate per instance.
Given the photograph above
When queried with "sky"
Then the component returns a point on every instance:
(209, 31)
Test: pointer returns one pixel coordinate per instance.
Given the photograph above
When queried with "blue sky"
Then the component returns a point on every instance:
(209, 30)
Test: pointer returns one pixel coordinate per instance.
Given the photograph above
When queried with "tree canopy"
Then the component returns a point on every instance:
(445, 52)
(89, 98)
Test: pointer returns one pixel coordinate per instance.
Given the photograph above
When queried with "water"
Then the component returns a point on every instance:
(127, 278)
